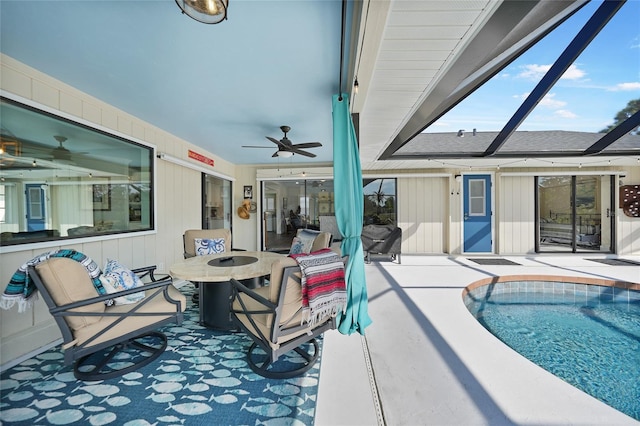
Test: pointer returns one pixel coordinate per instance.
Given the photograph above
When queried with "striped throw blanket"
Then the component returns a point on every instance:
(22, 290)
(323, 286)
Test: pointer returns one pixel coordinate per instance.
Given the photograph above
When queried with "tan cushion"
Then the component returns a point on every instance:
(275, 278)
(322, 241)
(130, 324)
(191, 234)
(291, 309)
(68, 281)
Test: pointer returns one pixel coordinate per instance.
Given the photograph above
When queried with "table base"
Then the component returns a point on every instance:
(215, 303)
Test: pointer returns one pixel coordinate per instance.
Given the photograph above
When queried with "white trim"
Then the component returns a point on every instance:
(71, 241)
(406, 175)
(33, 353)
(565, 173)
(192, 166)
(74, 118)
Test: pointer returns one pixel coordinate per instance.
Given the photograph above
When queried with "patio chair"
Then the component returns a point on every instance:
(197, 242)
(94, 334)
(273, 317)
(200, 242)
(308, 241)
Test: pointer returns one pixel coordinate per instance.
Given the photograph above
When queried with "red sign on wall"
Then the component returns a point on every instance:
(201, 158)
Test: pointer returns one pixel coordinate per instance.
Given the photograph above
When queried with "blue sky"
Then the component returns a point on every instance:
(604, 78)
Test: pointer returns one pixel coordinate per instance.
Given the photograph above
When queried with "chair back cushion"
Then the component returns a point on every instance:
(68, 281)
(219, 241)
(275, 279)
(309, 240)
(322, 240)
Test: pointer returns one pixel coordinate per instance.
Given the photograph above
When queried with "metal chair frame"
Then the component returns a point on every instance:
(81, 354)
(278, 330)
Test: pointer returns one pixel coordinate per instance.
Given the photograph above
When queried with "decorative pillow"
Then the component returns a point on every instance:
(303, 242)
(206, 246)
(296, 246)
(117, 278)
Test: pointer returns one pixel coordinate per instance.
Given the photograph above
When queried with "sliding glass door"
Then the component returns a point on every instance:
(574, 213)
(288, 205)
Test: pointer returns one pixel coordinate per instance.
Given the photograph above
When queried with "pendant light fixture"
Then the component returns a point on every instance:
(205, 11)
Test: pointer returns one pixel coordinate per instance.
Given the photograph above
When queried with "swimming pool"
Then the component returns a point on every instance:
(586, 334)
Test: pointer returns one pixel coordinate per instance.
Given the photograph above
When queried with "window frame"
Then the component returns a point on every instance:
(85, 125)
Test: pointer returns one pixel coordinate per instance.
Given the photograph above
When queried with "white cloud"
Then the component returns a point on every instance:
(573, 73)
(626, 87)
(563, 113)
(537, 71)
(549, 101)
(534, 71)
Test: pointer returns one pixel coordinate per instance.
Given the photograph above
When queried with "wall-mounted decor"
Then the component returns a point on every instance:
(248, 192)
(630, 200)
(102, 197)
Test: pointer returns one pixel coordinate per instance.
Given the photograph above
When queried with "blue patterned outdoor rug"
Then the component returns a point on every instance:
(201, 379)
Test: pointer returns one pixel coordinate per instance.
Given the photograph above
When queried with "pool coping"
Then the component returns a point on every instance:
(625, 285)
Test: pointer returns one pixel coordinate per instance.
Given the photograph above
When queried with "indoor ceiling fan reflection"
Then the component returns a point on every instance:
(286, 148)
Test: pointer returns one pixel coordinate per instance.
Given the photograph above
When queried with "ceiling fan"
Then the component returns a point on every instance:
(60, 152)
(286, 148)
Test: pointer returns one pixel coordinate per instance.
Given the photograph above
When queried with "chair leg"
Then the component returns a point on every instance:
(85, 368)
(267, 367)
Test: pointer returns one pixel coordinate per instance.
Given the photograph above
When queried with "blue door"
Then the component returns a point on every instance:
(476, 212)
(35, 207)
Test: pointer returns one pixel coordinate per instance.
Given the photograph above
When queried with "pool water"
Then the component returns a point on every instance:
(592, 344)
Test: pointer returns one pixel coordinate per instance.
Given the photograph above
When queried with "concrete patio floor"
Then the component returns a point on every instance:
(426, 361)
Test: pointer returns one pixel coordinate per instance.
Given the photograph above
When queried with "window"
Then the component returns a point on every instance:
(288, 205)
(61, 179)
(380, 201)
(574, 213)
(477, 196)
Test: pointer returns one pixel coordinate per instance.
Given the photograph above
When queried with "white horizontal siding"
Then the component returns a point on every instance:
(422, 213)
(515, 215)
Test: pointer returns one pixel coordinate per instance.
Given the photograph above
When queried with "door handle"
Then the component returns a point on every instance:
(466, 216)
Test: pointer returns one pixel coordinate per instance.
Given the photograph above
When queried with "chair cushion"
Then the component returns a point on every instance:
(322, 241)
(117, 278)
(68, 282)
(204, 246)
(156, 304)
(191, 234)
(303, 241)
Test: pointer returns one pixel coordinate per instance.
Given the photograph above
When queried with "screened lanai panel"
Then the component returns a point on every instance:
(549, 117)
(423, 213)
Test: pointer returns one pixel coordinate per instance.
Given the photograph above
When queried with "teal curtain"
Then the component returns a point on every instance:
(349, 206)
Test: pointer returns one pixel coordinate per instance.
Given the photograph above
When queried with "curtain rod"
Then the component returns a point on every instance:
(344, 14)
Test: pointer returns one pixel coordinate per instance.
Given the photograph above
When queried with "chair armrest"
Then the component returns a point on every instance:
(148, 271)
(101, 298)
(238, 287)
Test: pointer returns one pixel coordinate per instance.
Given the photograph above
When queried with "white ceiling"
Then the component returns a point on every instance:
(275, 63)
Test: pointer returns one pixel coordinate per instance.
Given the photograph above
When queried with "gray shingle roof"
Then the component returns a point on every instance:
(524, 143)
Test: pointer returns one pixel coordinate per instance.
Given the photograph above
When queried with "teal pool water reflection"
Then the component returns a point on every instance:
(587, 335)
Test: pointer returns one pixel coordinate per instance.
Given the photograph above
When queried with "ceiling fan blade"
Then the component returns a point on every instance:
(307, 145)
(275, 154)
(256, 146)
(301, 152)
(276, 141)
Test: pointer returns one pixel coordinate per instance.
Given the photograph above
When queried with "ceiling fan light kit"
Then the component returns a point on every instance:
(284, 154)
(205, 11)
